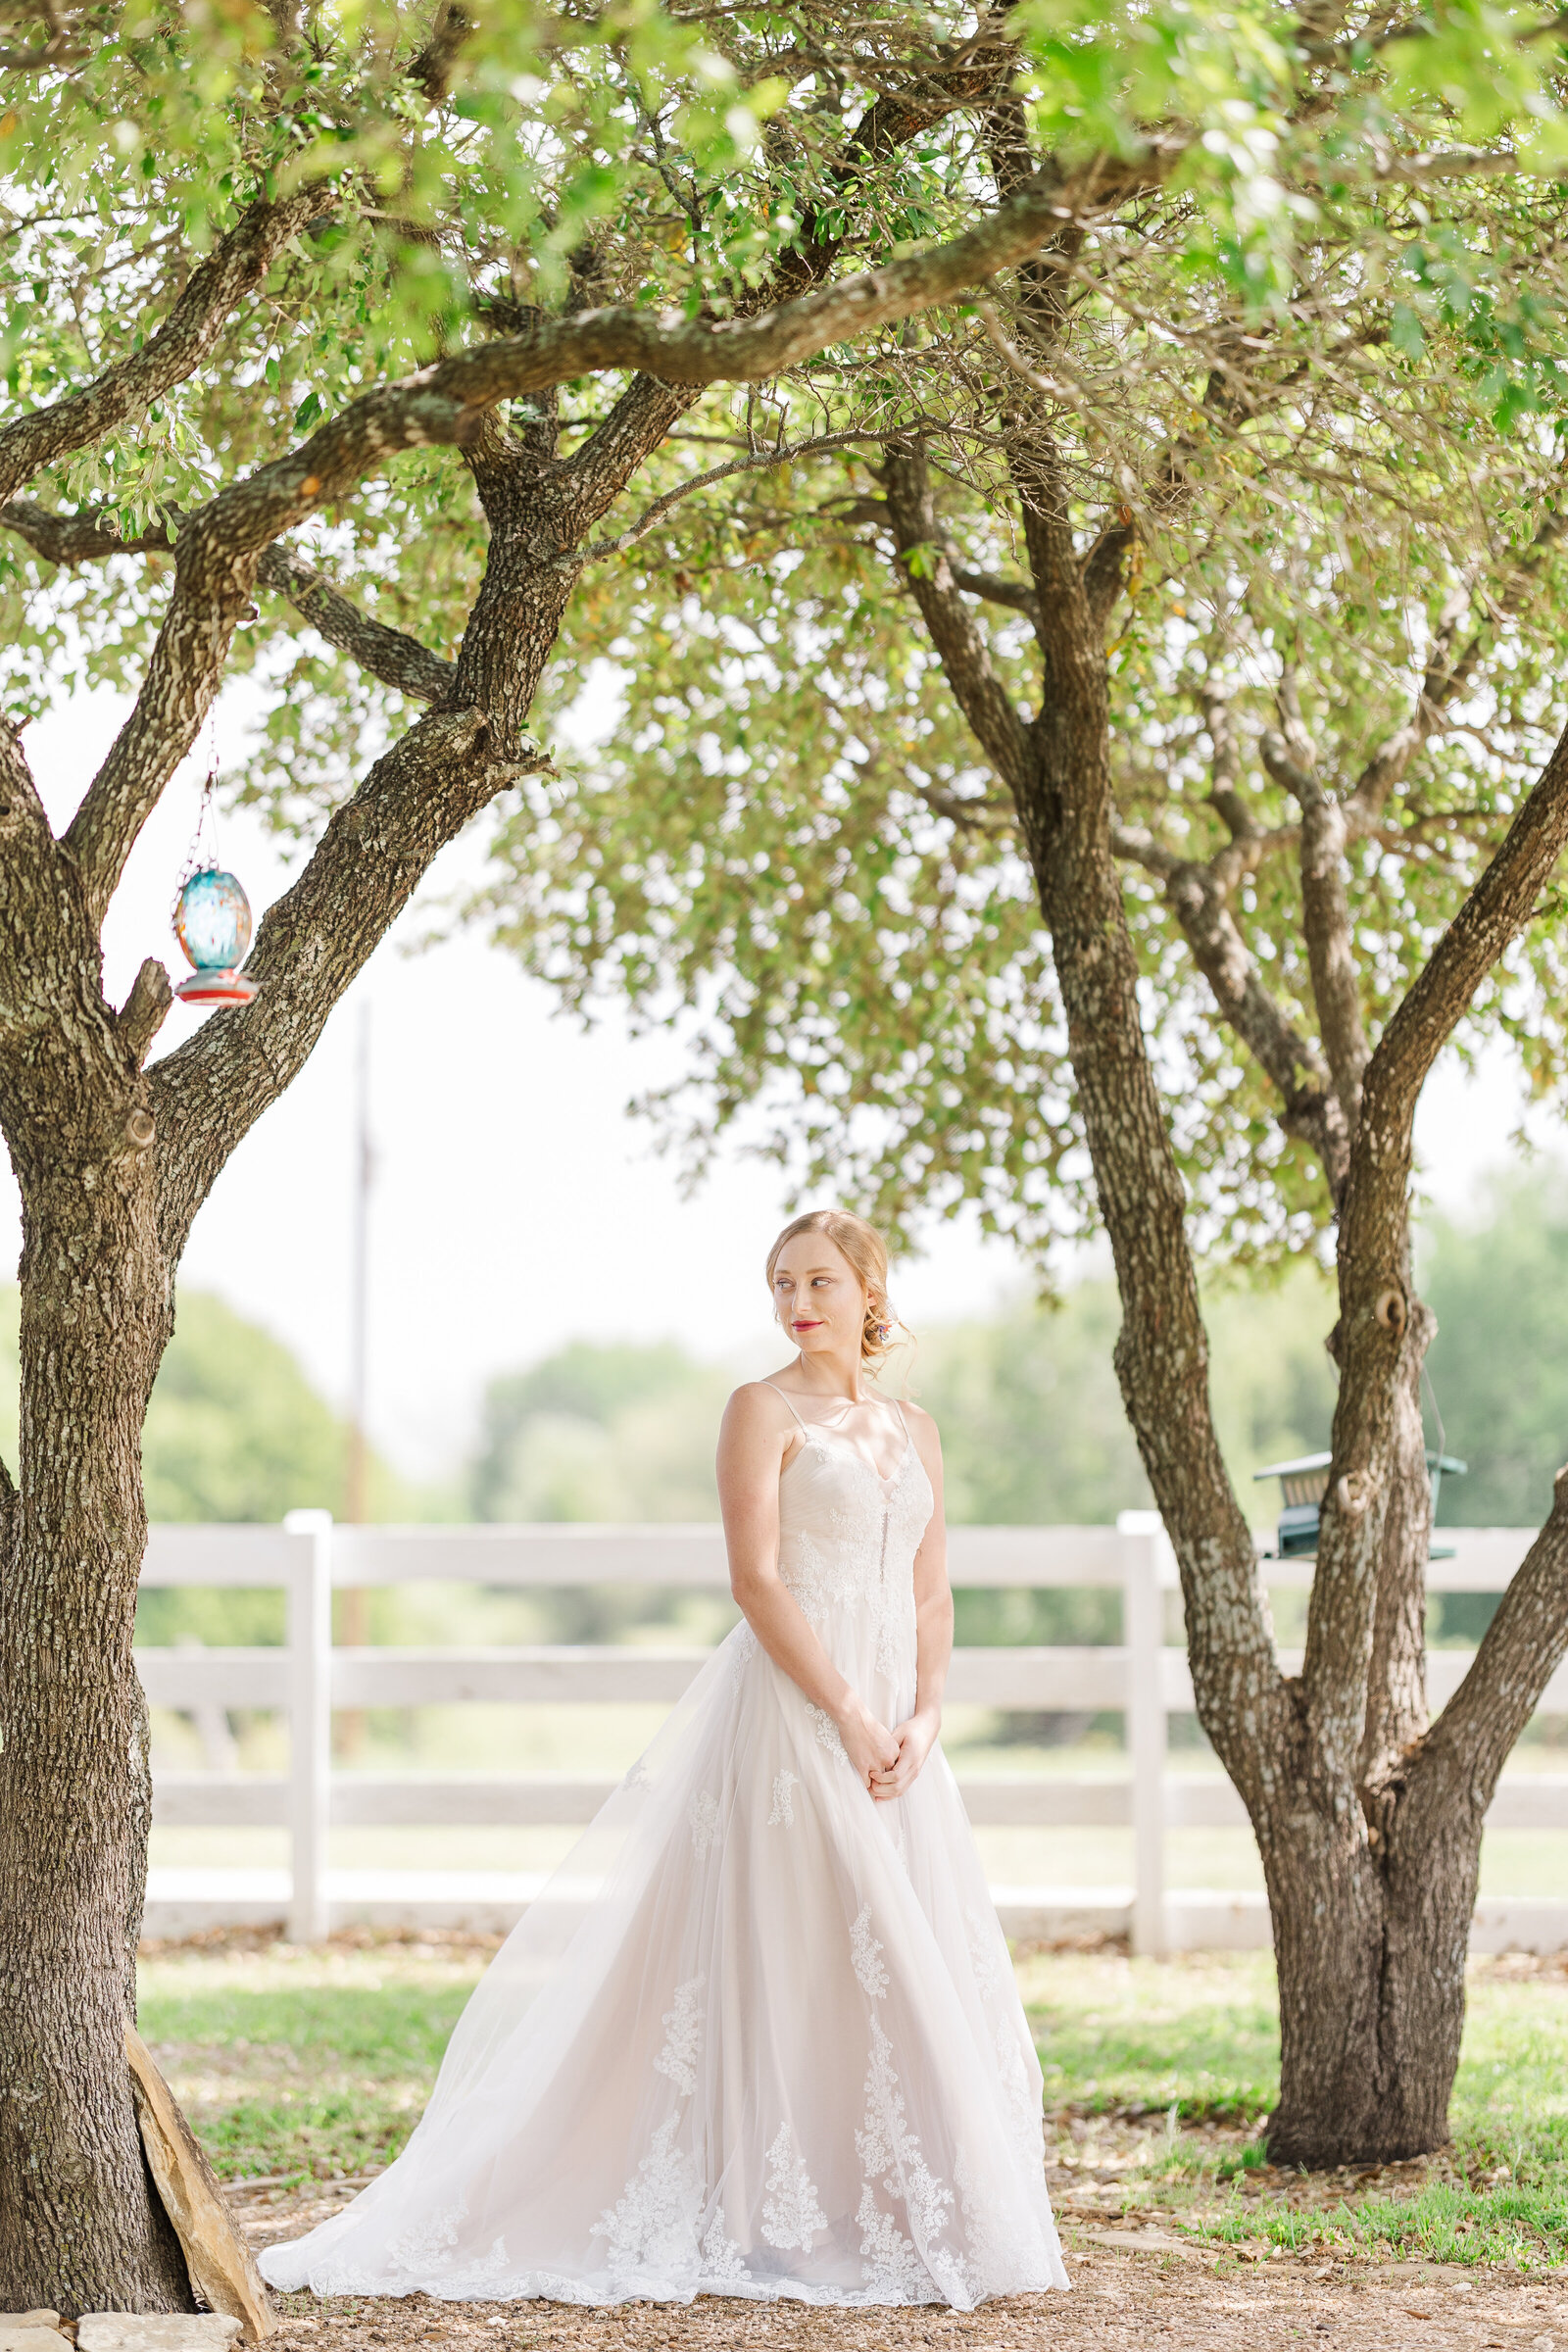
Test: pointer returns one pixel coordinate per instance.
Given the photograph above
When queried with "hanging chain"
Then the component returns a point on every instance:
(203, 854)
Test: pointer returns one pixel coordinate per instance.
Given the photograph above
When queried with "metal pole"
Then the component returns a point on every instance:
(356, 1507)
(354, 1623)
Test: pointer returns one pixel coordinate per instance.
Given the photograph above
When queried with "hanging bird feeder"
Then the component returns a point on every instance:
(1305, 1483)
(212, 925)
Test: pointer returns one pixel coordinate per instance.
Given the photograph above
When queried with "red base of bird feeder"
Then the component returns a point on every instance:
(215, 987)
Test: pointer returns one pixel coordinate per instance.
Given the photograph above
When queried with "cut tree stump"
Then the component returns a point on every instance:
(222, 2268)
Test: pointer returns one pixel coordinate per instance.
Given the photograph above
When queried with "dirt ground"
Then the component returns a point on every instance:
(1130, 2288)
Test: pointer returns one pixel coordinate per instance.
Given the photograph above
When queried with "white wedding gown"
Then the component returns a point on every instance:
(760, 2035)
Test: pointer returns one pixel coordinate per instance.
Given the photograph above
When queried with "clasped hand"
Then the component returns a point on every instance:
(885, 1761)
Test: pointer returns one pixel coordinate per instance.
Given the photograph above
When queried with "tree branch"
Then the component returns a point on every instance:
(432, 67)
(960, 644)
(763, 458)
(383, 652)
(650, 403)
(219, 546)
(1496, 910)
(1326, 923)
(87, 537)
(1446, 677)
(212, 293)
(960, 76)
(1308, 1106)
(1520, 1651)
(1224, 791)
(313, 941)
(1378, 1320)
(387, 654)
(146, 1009)
(1017, 593)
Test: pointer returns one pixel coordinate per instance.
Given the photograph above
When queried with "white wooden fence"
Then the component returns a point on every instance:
(307, 1679)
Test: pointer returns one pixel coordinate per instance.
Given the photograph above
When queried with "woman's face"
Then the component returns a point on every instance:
(819, 1298)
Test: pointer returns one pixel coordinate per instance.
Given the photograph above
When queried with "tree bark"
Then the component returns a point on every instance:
(79, 2226)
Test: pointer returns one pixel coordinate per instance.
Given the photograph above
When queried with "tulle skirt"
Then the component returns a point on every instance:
(759, 2037)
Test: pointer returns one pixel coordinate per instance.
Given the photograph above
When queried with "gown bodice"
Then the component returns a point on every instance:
(848, 1540)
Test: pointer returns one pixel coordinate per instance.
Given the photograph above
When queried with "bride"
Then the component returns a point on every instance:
(760, 2035)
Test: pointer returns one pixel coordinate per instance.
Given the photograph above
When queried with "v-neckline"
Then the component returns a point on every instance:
(816, 1435)
(819, 1433)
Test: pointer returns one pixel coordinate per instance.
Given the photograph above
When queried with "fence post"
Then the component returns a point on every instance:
(310, 1720)
(1144, 1542)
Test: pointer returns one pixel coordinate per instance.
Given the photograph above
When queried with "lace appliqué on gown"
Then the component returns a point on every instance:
(790, 2215)
(702, 1818)
(988, 1958)
(722, 2262)
(683, 2033)
(865, 1955)
(850, 1567)
(827, 1732)
(782, 1816)
(435, 2247)
(653, 2231)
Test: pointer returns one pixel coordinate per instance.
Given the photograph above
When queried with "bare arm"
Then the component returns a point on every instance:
(754, 1442)
(933, 1621)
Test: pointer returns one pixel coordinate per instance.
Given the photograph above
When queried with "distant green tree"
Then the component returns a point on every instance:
(235, 1431)
(1499, 1363)
(1034, 1430)
(1033, 1426)
(560, 1441)
(610, 1431)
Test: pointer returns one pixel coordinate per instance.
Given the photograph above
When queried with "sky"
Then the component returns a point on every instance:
(515, 1205)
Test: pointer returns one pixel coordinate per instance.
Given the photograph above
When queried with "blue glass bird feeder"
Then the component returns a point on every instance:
(212, 925)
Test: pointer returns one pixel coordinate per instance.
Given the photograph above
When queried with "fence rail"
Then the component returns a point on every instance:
(306, 1680)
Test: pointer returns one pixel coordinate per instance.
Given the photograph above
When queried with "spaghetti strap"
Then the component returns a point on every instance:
(778, 1391)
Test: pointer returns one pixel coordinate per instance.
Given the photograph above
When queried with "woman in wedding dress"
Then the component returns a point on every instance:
(760, 2035)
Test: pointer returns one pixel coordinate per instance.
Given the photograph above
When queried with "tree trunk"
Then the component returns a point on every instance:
(1370, 1940)
(80, 2226)
(1370, 1887)
(1371, 1907)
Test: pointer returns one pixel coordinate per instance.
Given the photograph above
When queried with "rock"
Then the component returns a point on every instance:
(31, 2332)
(29, 2318)
(156, 2331)
(1135, 2241)
(222, 2268)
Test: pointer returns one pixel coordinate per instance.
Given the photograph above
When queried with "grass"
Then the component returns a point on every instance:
(303, 2064)
(298, 2063)
(1160, 2077)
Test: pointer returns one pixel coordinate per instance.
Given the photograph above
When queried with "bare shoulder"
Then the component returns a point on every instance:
(925, 1434)
(921, 1421)
(755, 1432)
(755, 1409)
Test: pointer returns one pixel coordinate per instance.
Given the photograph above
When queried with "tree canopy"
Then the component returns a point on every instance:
(1346, 584)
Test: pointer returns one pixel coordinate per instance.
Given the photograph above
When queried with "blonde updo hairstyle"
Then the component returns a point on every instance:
(867, 1253)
